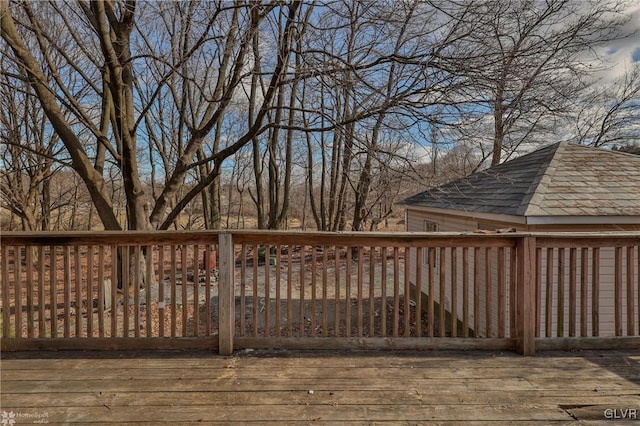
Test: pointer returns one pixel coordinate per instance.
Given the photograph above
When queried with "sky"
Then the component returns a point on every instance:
(622, 53)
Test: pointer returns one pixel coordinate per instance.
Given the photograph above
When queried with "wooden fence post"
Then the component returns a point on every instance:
(226, 296)
(526, 296)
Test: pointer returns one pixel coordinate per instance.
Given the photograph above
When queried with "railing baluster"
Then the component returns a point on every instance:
(207, 289)
(6, 297)
(418, 295)
(78, 294)
(560, 319)
(454, 292)
(372, 288)
(383, 295)
(267, 289)
(630, 305)
(41, 293)
(538, 289)
(29, 270)
(126, 288)
(396, 291)
(501, 294)
(18, 290)
(184, 301)
(290, 290)
(443, 284)
(101, 295)
(89, 291)
(465, 292)
(136, 291)
(348, 290)
(313, 290)
(114, 287)
(431, 256)
(278, 267)
(196, 290)
(595, 292)
(549, 295)
(53, 282)
(174, 291)
(476, 292)
(618, 291)
(359, 299)
(255, 298)
(67, 291)
(572, 291)
(161, 298)
(148, 288)
(301, 318)
(243, 286)
(325, 277)
(584, 291)
(336, 307)
(407, 291)
(513, 302)
(488, 291)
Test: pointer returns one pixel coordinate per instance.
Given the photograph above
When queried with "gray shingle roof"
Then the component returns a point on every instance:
(558, 180)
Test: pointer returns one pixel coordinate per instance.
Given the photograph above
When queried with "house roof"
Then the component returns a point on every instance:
(559, 180)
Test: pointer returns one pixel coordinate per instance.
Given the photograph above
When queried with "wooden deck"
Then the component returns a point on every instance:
(259, 387)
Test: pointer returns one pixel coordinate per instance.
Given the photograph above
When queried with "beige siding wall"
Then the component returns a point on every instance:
(416, 219)
(478, 286)
(445, 223)
(415, 222)
(606, 308)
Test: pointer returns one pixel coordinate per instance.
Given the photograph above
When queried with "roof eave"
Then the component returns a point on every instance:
(582, 220)
(470, 214)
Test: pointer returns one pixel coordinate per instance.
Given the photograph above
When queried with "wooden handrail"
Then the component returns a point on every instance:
(545, 286)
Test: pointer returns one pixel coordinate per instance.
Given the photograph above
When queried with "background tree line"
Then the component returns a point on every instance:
(158, 115)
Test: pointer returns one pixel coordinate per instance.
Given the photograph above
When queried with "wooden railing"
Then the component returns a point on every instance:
(587, 290)
(256, 289)
(109, 290)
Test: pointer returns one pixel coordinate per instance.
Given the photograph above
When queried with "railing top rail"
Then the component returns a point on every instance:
(109, 237)
(583, 241)
(389, 239)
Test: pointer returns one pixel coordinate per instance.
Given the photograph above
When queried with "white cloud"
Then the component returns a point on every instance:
(621, 53)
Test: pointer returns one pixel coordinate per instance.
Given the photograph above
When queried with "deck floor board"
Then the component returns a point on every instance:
(261, 387)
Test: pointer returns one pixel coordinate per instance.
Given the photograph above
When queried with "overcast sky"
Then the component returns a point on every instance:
(623, 53)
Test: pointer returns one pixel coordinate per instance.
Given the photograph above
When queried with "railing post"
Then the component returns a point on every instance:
(526, 296)
(226, 296)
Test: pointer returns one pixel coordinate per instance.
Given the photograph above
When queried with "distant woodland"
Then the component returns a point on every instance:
(290, 114)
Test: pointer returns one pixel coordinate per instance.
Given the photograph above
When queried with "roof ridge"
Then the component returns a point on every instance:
(536, 192)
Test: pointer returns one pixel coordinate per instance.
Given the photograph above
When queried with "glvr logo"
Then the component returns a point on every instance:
(621, 414)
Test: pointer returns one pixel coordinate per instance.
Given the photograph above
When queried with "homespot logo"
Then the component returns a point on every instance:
(11, 418)
(621, 414)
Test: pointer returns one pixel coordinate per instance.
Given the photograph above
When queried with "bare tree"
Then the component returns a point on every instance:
(273, 151)
(528, 60)
(609, 115)
(101, 38)
(380, 69)
(27, 154)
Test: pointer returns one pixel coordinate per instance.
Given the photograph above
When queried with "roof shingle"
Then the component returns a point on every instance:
(558, 180)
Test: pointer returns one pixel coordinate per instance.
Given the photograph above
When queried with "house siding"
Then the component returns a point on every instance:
(606, 309)
(415, 223)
